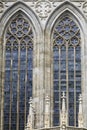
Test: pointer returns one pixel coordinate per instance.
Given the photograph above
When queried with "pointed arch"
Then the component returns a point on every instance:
(66, 8)
(26, 10)
(21, 8)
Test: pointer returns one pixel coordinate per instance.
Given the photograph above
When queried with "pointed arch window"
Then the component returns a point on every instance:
(66, 68)
(18, 72)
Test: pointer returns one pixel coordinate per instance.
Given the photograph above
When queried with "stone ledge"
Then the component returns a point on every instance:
(59, 128)
(37, 0)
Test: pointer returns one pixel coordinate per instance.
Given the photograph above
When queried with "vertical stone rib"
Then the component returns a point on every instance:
(2, 84)
(10, 92)
(67, 81)
(59, 78)
(1, 102)
(18, 88)
(74, 87)
(25, 85)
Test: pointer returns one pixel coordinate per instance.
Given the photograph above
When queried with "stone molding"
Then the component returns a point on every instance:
(43, 8)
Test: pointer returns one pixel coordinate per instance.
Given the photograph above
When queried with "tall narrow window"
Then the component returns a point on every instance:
(18, 73)
(66, 68)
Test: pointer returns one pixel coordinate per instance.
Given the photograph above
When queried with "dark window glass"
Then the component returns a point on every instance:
(66, 68)
(18, 82)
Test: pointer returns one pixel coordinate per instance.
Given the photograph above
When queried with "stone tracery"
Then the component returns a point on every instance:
(18, 72)
(67, 69)
(58, 41)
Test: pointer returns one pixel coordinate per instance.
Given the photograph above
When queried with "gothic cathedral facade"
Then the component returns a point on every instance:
(43, 69)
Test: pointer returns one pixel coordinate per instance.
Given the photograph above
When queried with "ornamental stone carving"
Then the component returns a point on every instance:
(1, 7)
(30, 120)
(63, 112)
(84, 7)
(43, 8)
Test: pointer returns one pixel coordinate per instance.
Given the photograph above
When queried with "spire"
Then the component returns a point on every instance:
(63, 102)
(80, 113)
(30, 116)
(63, 113)
(47, 112)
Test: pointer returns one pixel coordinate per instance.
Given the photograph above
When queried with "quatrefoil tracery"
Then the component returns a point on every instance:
(19, 33)
(66, 31)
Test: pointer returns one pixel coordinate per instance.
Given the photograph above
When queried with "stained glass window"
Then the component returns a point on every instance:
(66, 68)
(18, 73)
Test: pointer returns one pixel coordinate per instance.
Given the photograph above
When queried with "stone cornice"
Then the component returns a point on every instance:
(43, 8)
(59, 128)
(37, 0)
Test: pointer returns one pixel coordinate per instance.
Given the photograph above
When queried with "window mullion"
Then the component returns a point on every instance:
(26, 85)
(67, 33)
(74, 88)
(17, 92)
(67, 92)
(59, 78)
(18, 87)
(10, 90)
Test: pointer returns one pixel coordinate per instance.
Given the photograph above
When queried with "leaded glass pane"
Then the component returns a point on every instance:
(56, 84)
(66, 67)
(18, 82)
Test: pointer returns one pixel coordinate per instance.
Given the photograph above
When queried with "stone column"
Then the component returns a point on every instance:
(1, 89)
(38, 79)
(0, 82)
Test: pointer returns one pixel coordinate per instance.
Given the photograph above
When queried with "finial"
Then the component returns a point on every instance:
(80, 98)
(47, 99)
(63, 95)
(30, 101)
(30, 120)
(63, 112)
(63, 101)
(80, 113)
(80, 104)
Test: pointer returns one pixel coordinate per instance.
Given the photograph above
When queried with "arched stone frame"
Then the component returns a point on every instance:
(37, 55)
(63, 9)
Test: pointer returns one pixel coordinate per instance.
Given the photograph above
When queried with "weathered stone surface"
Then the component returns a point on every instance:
(43, 15)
